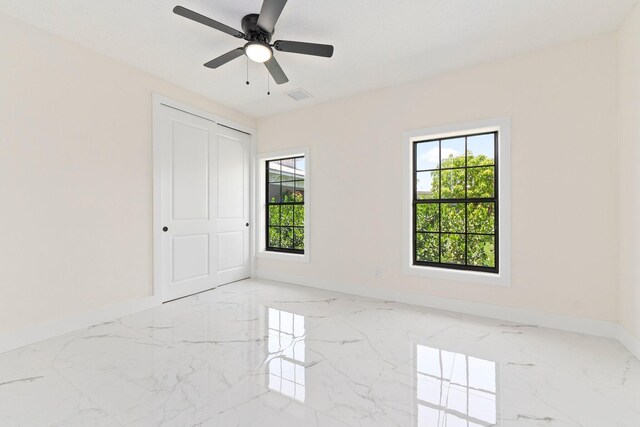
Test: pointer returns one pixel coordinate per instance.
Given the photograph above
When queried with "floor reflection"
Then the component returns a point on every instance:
(454, 390)
(286, 334)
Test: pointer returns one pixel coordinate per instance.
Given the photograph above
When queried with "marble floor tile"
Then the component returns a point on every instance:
(33, 393)
(260, 353)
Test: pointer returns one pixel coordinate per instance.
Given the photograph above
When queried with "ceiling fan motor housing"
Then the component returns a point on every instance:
(252, 31)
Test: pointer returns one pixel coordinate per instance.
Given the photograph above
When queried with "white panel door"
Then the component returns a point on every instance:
(188, 177)
(233, 237)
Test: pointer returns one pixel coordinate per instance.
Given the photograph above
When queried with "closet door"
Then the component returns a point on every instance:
(233, 205)
(203, 237)
(188, 203)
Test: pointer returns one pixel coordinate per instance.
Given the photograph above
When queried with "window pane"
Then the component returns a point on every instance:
(287, 215)
(298, 215)
(288, 169)
(427, 247)
(299, 191)
(274, 171)
(481, 218)
(428, 217)
(274, 237)
(453, 248)
(287, 238)
(480, 182)
(480, 150)
(287, 163)
(427, 185)
(274, 215)
(428, 155)
(300, 167)
(298, 238)
(481, 251)
(452, 153)
(274, 193)
(453, 184)
(453, 217)
(288, 192)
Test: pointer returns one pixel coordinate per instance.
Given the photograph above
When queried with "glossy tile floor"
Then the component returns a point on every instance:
(267, 354)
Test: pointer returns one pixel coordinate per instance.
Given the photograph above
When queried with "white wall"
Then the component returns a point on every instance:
(562, 102)
(629, 111)
(75, 176)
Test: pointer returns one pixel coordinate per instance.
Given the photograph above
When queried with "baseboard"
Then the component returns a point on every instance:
(53, 328)
(530, 317)
(629, 341)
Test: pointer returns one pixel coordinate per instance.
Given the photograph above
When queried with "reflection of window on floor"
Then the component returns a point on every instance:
(286, 353)
(454, 390)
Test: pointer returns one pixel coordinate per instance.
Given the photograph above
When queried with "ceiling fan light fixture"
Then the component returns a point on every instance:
(258, 52)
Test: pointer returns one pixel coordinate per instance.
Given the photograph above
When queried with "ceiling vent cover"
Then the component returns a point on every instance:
(298, 94)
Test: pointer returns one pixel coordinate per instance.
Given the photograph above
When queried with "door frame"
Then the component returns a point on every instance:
(158, 102)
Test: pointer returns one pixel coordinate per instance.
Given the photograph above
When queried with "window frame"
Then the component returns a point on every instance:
(267, 224)
(261, 229)
(501, 277)
(466, 200)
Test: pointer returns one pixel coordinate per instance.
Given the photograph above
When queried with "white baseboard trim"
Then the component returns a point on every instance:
(629, 341)
(600, 328)
(53, 328)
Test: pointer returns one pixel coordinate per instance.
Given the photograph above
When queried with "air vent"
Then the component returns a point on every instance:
(298, 94)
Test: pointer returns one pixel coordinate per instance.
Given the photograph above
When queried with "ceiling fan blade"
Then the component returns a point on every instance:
(223, 59)
(276, 71)
(315, 49)
(195, 16)
(269, 14)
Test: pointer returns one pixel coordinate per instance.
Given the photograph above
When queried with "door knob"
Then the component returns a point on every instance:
(165, 229)
(247, 224)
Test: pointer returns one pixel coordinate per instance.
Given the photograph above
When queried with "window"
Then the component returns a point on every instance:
(455, 202)
(283, 217)
(285, 205)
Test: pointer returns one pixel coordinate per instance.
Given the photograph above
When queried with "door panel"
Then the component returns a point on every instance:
(230, 250)
(190, 257)
(190, 171)
(231, 163)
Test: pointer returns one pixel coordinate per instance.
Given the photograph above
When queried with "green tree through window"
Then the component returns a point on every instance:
(456, 203)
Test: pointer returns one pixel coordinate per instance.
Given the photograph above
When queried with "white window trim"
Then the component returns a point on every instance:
(261, 202)
(503, 126)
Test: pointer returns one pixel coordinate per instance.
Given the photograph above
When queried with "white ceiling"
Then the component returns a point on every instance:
(377, 43)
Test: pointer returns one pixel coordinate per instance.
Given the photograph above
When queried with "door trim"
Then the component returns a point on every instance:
(159, 101)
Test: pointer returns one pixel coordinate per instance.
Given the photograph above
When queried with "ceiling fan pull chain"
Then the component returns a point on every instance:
(268, 80)
(247, 70)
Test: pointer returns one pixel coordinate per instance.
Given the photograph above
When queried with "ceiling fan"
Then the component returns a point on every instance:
(258, 30)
